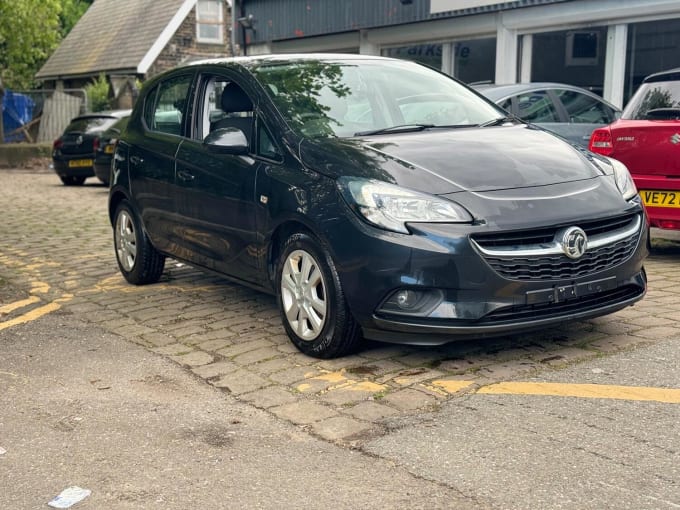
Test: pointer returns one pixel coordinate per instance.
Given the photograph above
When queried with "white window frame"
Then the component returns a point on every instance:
(210, 21)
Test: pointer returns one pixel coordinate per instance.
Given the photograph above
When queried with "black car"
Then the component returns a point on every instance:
(74, 151)
(103, 153)
(376, 198)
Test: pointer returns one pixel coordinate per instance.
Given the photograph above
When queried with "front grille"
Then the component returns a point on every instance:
(501, 251)
(547, 310)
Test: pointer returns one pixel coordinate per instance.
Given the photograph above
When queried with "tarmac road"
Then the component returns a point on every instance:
(87, 408)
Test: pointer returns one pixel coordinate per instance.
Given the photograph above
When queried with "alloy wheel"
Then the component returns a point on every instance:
(304, 295)
(126, 240)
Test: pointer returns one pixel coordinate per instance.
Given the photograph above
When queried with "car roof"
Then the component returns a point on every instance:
(289, 57)
(669, 75)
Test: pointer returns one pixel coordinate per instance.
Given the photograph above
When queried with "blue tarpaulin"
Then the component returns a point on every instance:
(17, 110)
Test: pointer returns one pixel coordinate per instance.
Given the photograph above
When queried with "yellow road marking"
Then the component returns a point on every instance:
(453, 386)
(665, 395)
(36, 313)
(18, 304)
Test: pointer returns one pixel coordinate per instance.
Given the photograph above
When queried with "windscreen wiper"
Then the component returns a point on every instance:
(401, 128)
(498, 121)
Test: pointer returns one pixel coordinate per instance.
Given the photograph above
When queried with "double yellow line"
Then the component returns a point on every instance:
(35, 313)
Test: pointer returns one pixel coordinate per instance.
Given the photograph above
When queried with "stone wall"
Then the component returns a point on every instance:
(183, 46)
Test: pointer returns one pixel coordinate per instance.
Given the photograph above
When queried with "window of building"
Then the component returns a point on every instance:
(209, 21)
(652, 47)
(471, 61)
(574, 56)
(428, 54)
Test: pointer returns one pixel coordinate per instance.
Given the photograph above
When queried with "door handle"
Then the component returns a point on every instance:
(185, 176)
(136, 160)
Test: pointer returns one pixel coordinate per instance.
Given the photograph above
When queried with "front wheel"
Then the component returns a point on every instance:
(312, 303)
(138, 260)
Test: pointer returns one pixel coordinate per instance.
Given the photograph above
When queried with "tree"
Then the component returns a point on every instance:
(71, 12)
(29, 33)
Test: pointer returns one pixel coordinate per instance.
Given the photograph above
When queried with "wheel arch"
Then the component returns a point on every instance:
(116, 196)
(279, 236)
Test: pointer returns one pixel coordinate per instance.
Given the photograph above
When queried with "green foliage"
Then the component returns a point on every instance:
(98, 94)
(30, 30)
(29, 33)
(71, 12)
(297, 91)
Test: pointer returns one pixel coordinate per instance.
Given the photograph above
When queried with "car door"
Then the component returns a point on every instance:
(215, 200)
(151, 156)
(585, 113)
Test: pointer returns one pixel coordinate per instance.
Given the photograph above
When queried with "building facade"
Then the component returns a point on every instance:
(607, 46)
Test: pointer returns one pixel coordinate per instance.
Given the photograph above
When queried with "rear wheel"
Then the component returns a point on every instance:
(72, 180)
(312, 303)
(138, 260)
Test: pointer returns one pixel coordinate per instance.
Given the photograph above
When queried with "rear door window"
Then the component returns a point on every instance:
(536, 106)
(584, 109)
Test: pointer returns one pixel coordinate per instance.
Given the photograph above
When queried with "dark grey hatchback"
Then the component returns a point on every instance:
(375, 198)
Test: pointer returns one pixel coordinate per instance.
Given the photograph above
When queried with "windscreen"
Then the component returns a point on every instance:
(323, 98)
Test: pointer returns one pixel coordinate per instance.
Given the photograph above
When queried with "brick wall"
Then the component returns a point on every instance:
(183, 46)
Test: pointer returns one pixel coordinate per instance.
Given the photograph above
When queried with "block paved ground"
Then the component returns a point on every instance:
(56, 256)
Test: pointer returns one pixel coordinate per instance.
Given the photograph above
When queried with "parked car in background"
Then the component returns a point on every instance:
(571, 112)
(103, 152)
(647, 139)
(320, 179)
(74, 151)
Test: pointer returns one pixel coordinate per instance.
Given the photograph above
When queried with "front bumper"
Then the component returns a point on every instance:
(478, 299)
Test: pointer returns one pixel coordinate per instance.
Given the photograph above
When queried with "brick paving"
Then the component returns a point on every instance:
(57, 247)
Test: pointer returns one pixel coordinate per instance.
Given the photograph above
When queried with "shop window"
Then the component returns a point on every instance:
(209, 21)
(471, 61)
(474, 61)
(652, 47)
(428, 54)
(575, 57)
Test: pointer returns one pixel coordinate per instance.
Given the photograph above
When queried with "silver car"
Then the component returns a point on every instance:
(569, 111)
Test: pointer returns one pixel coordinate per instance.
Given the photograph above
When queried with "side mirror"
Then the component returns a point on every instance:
(227, 140)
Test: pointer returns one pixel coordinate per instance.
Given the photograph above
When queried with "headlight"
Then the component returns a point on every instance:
(623, 179)
(391, 207)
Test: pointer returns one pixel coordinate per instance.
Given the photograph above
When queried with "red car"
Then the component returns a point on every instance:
(647, 140)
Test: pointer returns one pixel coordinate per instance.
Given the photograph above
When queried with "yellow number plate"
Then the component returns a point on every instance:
(108, 149)
(656, 198)
(78, 163)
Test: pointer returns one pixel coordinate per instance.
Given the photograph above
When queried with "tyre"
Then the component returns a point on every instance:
(72, 180)
(312, 303)
(138, 260)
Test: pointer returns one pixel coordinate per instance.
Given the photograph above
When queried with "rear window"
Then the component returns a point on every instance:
(90, 124)
(654, 101)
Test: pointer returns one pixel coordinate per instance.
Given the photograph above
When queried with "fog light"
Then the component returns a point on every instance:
(412, 302)
(407, 299)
